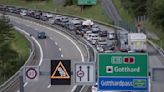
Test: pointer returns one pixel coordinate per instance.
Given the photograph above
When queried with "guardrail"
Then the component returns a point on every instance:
(4, 87)
(160, 50)
(91, 49)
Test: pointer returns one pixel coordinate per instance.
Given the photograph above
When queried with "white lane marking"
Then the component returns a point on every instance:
(73, 89)
(51, 38)
(56, 43)
(25, 84)
(59, 49)
(40, 48)
(49, 86)
(61, 55)
(82, 56)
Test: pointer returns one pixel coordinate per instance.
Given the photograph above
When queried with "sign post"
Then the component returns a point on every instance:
(123, 71)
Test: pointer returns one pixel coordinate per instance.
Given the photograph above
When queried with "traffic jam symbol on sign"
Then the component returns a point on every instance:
(31, 73)
(84, 73)
(60, 72)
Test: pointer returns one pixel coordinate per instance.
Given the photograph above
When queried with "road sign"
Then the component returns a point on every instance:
(87, 2)
(123, 84)
(123, 64)
(31, 73)
(60, 72)
(84, 73)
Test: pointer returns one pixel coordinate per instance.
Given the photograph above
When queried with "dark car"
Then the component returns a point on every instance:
(42, 35)
(103, 33)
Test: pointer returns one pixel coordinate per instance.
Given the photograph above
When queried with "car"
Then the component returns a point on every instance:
(44, 18)
(57, 19)
(111, 35)
(64, 21)
(23, 12)
(99, 48)
(103, 33)
(95, 30)
(42, 35)
(94, 88)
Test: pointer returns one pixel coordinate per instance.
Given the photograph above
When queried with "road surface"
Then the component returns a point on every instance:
(57, 46)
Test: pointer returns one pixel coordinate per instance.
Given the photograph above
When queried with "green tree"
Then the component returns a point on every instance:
(136, 7)
(156, 12)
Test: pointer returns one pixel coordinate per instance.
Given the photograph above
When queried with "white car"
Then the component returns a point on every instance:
(111, 35)
(23, 12)
(49, 15)
(99, 48)
(94, 88)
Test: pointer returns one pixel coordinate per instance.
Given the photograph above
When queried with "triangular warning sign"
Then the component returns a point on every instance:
(62, 72)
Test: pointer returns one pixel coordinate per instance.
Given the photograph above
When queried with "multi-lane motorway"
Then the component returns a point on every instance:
(57, 46)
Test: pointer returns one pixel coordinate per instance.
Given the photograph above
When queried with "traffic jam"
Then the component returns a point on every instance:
(104, 40)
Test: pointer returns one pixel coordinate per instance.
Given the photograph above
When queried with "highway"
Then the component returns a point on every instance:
(61, 46)
(56, 46)
(111, 10)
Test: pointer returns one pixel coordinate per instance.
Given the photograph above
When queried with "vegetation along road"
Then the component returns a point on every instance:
(14, 50)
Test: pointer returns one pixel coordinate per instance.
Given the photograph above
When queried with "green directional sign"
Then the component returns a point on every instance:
(87, 2)
(138, 83)
(123, 64)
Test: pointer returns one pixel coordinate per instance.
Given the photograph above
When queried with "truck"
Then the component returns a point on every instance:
(137, 42)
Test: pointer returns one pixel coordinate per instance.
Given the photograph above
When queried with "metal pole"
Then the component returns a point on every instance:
(21, 81)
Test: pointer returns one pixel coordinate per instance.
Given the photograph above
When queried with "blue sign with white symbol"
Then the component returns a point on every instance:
(125, 84)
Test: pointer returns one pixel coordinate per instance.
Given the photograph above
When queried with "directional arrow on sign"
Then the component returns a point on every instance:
(85, 73)
(88, 67)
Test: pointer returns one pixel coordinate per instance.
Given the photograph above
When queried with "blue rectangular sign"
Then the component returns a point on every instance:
(122, 84)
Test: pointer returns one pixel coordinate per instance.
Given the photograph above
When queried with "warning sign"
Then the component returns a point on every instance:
(60, 72)
(63, 74)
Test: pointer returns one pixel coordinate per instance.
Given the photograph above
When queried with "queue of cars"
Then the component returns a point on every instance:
(85, 28)
(105, 41)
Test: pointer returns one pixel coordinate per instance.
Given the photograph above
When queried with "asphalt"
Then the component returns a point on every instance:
(111, 10)
(56, 46)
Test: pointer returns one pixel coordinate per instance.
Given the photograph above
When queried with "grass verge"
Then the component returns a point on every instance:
(93, 12)
(158, 31)
(19, 44)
